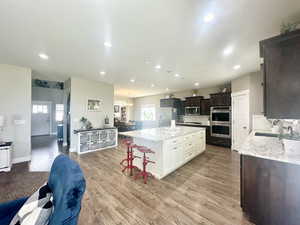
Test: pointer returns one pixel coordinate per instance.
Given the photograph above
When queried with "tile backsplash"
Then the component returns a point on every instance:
(260, 122)
(295, 124)
(196, 119)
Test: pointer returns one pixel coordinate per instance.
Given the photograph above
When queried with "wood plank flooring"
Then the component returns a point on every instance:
(204, 191)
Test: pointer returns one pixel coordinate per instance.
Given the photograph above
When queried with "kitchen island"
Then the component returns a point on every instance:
(173, 147)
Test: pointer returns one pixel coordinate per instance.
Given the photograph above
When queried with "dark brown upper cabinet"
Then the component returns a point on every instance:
(220, 99)
(205, 107)
(170, 102)
(193, 101)
(281, 69)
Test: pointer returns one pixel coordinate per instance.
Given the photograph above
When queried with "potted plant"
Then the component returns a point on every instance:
(83, 122)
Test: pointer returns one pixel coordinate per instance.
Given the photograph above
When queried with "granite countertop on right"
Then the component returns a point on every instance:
(268, 148)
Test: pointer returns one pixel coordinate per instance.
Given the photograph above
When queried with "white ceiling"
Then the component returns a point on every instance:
(171, 33)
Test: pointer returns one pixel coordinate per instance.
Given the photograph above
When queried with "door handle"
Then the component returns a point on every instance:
(245, 127)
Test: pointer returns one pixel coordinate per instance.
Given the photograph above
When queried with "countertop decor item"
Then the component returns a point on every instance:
(85, 123)
(106, 120)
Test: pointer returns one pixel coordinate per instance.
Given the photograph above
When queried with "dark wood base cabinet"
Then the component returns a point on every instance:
(220, 141)
(270, 191)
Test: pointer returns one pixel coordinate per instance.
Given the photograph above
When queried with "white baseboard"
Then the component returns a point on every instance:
(54, 133)
(21, 159)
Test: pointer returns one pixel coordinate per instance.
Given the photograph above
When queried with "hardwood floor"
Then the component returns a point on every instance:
(44, 151)
(204, 191)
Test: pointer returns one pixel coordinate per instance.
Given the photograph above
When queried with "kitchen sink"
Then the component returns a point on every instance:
(265, 134)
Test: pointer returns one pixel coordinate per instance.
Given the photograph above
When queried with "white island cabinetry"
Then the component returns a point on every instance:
(173, 147)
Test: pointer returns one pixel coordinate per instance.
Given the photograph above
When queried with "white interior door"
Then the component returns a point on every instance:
(41, 118)
(240, 118)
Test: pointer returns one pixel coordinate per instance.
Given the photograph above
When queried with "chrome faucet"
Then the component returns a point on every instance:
(290, 130)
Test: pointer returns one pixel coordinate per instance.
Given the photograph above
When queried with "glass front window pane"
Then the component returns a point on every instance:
(59, 116)
(148, 113)
(34, 109)
(45, 109)
(59, 107)
(39, 108)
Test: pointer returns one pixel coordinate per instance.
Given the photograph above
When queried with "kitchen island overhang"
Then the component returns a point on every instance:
(173, 147)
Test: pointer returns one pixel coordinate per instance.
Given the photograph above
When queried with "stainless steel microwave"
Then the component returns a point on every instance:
(193, 110)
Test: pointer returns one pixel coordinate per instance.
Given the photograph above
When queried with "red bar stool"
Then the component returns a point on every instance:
(130, 157)
(144, 173)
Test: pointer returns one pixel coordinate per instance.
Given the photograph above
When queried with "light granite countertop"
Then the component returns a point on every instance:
(162, 133)
(268, 148)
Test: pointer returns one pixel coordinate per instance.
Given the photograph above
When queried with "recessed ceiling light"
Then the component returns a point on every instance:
(209, 17)
(102, 72)
(177, 75)
(157, 67)
(152, 85)
(228, 51)
(236, 67)
(132, 80)
(196, 84)
(43, 56)
(107, 44)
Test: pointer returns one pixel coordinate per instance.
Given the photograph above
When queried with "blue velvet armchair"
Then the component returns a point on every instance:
(67, 184)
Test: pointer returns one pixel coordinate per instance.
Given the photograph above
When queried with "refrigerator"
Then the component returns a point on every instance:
(166, 114)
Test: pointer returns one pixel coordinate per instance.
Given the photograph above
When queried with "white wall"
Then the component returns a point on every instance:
(253, 83)
(257, 93)
(15, 104)
(55, 96)
(241, 83)
(81, 91)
